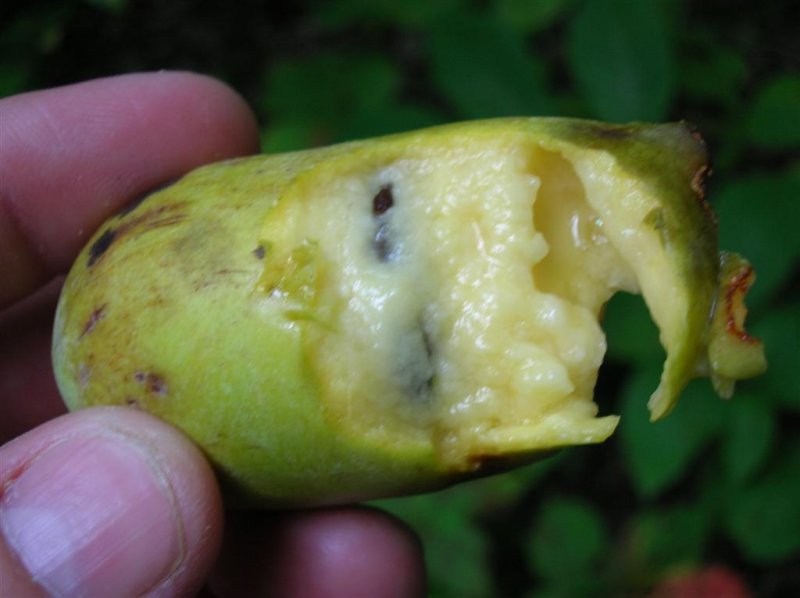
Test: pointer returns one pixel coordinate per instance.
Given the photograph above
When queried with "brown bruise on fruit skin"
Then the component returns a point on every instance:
(95, 317)
(138, 201)
(153, 383)
(699, 181)
(698, 185)
(733, 354)
(481, 465)
(159, 217)
(612, 132)
(100, 246)
(733, 304)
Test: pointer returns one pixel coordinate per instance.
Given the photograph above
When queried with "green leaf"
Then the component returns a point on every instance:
(779, 329)
(748, 436)
(663, 539)
(659, 454)
(632, 334)
(388, 119)
(711, 71)
(287, 136)
(568, 541)
(528, 16)
(412, 13)
(774, 120)
(14, 78)
(455, 548)
(328, 90)
(764, 518)
(758, 218)
(484, 70)
(621, 57)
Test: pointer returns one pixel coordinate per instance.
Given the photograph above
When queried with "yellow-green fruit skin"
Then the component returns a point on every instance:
(162, 311)
(165, 319)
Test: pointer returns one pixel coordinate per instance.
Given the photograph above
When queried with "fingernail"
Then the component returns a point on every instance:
(93, 517)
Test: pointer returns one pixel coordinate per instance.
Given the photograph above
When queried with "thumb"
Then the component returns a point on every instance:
(106, 502)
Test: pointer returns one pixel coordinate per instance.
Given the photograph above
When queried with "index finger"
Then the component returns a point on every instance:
(71, 156)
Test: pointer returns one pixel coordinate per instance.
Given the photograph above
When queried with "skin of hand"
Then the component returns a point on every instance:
(112, 502)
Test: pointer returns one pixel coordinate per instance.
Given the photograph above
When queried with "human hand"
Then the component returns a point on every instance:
(112, 502)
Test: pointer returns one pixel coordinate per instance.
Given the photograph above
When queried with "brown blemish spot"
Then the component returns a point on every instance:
(100, 246)
(490, 464)
(694, 131)
(132, 402)
(158, 217)
(699, 180)
(612, 132)
(132, 205)
(482, 464)
(153, 383)
(735, 310)
(97, 315)
(259, 252)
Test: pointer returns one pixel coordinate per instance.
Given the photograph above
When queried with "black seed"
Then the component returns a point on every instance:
(100, 246)
(382, 201)
(259, 252)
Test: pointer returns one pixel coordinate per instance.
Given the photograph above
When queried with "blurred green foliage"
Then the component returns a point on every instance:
(717, 482)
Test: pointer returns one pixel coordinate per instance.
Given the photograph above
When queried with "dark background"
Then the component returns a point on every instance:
(714, 490)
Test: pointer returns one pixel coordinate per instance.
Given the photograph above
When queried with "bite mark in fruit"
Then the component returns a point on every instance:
(418, 309)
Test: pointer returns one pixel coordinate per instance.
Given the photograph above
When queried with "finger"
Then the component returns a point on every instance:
(72, 156)
(28, 392)
(106, 502)
(335, 552)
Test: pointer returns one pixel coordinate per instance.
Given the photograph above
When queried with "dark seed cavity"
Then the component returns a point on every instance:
(382, 201)
(100, 246)
(381, 244)
(415, 368)
(425, 389)
(259, 252)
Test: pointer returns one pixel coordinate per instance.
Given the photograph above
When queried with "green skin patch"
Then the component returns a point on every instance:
(390, 316)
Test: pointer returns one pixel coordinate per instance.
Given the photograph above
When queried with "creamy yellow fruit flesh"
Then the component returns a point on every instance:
(453, 296)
